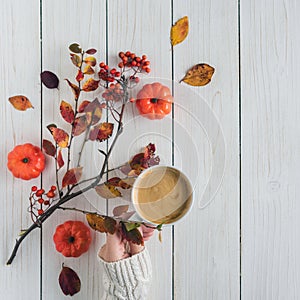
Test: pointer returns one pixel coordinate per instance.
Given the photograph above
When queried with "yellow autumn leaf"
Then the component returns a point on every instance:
(179, 31)
(20, 102)
(101, 223)
(199, 75)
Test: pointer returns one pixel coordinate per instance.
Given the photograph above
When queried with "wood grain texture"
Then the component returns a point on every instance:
(206, 255)
(143, 28)
(270, 149)
(20, 66)
(66, 22)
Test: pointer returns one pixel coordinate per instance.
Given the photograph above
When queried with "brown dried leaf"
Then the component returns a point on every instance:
(199, 75)
(75, 88)
(67, 111)
(107, 191)
(60, 136)
(91, 51)
(60, 160)
(69, 281)
(72, 176)
(79, 126)
(20, 102)
(101, 223)
(179, 31)
(101, 132)
(90, 85)
(76, 60)
(119, 210)
(133, 235)
(49, 148)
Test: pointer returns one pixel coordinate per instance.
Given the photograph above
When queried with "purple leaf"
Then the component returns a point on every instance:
(91, 51)
(69, 281)
(49, 79)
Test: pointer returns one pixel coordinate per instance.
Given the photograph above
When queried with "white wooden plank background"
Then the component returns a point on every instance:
(253, 95)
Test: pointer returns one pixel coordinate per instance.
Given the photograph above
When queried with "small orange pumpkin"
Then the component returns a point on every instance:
(26, 161)
(72, 238)
(154, 101)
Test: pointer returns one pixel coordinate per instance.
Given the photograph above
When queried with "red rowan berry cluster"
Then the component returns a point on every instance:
(108, 74)
(130, 60)
(40, 200)
(114, 92)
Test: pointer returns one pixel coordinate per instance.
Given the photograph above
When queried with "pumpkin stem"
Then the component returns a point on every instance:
(71, 239)
(25, 160)
(153, 100)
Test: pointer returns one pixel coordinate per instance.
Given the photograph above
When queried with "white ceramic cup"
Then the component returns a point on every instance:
(162, 195)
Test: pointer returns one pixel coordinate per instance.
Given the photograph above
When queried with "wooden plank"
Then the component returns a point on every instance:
(20, 67)
(143, 28)
(65, 23)
(206, 256)
(270, 149)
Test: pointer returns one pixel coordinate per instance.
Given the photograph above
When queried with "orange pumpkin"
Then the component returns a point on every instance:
(72, 238)
(26, 161)
(154, 101)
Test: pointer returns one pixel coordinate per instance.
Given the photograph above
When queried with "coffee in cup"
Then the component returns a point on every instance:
(162, 194)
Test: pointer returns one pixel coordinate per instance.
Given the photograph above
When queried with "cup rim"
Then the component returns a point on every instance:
(139, 178)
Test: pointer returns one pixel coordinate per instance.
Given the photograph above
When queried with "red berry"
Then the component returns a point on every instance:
(41, 200)
(121, 54)
(46, 202)
(40, 192)
(127, 53)
(136, 80)
(106, 67)
(113, 71)
(148, 70)
(120, 65)
(34, 188)
(102, 65)
(147, 63)
(53, 188)
(132, 55)
(40, 211)
(131, 100)
(144, 56)
(134, 63)
(50, 194)
(138, 59)
(118, 74)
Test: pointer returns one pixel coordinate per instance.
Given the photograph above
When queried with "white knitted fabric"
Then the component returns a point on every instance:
(127, 279)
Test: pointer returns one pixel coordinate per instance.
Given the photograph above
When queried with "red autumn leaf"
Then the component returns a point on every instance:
(101, 223)
(76, 60)
(79, 76)
(49, 148)
(133, 235)
(60, 136)
(90, 60)
(101, 132)
(88, 70)
(67, 111)
(72, 176)
(75, 88)
(49, 79)
(91, 51)
(60, 160)
(79, 126)
(83, 105)
(69, 281)
(90, 85)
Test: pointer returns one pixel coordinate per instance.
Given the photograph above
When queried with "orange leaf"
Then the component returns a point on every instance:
(20, 102)
(101, 223)
(179, 31)
(79, 76)
(72, 176)
(107, 191)
(67, 111)
(60, 136)
(49, 148)
(199, 75)
(90, 85)
(101, 132)
(79, 126)
(90, 60)
(60, 160)
(83, 105)
(88, 70)
(75, 88)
